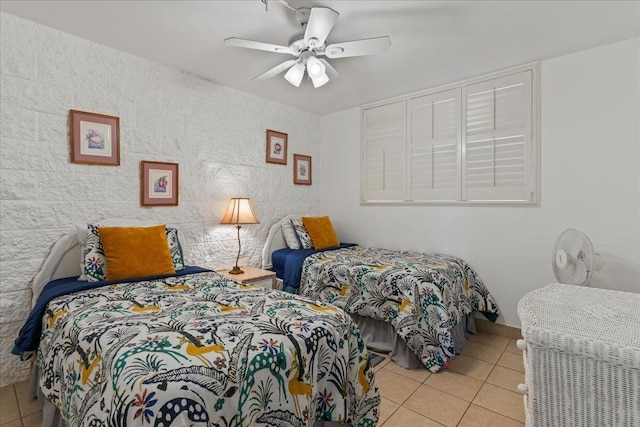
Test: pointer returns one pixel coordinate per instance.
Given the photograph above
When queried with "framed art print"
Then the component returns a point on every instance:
(159, 183)
(276, 147)
(95, 139)
(301, 169)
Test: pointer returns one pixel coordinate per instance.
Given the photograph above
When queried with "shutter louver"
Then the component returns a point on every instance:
(466, 143)
(385, 148)
(498, 139)
(434, 147)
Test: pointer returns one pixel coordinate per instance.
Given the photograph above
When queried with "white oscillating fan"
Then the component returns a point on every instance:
(574, 258)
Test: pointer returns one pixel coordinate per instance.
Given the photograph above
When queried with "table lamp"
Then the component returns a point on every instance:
(239, 212)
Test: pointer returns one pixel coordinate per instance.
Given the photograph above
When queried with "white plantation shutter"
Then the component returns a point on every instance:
(434, 147)
(384, 149)
(498, 149)
(472, 142)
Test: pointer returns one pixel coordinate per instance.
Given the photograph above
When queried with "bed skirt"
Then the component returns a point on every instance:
(381, 337)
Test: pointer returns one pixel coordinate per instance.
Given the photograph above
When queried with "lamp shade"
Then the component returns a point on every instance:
(315, 67)
(319, 81)
(240, 211)
(295, 74)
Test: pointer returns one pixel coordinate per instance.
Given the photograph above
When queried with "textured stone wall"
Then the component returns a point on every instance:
(216, 134)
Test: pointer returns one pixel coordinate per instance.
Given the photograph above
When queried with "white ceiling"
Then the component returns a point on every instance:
(433, 42)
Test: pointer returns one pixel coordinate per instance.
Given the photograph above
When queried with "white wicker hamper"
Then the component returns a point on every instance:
(581, 357)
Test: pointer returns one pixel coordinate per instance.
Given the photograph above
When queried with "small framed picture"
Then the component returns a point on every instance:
(276, 147)
(301, 169)
(159, 183)
(95, 139)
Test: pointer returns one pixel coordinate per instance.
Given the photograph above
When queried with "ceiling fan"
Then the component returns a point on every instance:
(309, 48)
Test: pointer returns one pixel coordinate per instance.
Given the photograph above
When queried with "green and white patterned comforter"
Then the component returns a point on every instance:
(424, 296)
(201, 350)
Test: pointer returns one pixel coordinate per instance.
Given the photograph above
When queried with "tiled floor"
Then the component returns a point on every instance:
(17, 408)
(478, 390)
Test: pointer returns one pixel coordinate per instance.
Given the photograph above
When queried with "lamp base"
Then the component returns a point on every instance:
(236, 270)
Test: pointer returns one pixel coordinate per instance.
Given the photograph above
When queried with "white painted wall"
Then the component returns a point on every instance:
(216, 134)
(590, 180)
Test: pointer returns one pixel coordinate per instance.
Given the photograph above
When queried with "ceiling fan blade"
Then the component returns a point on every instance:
(250, 44)
(332, 73)
(276, 70)
(321, 21)
(358, 47)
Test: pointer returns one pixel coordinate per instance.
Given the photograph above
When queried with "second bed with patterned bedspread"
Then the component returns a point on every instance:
(424, 296)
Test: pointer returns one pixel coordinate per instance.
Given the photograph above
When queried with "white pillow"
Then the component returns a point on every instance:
(302, 233)
(289, 233)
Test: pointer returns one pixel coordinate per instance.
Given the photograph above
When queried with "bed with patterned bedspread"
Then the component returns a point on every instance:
(200, 349)
(424, 296)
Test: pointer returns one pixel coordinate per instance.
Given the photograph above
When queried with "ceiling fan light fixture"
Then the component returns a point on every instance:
(320, 80)
(309, 49)
(295, 74)
(315, 68)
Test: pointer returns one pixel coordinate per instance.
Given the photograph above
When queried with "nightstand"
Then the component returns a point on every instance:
(253, 276)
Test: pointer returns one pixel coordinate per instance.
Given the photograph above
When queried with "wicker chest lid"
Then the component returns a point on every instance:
(611, 317)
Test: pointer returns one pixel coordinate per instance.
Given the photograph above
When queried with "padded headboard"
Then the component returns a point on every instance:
(63, 259)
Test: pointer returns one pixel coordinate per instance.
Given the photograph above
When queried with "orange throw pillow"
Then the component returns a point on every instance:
(136, 252)
(321, 231)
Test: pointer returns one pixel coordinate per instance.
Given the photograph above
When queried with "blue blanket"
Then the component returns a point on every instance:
(287, 263)
(29, 336)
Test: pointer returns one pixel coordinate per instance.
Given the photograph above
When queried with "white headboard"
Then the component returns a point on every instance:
(63, 260)
(275, 241)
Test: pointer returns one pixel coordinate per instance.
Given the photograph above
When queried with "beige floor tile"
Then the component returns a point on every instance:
(477, 416)
(9, 410)
(415, 374)
(16, 423)
(504, 402)
(22, 386)
(387, 408)
(28, 405)
(490, 340)
(472, 367)
(511, 361)
(394, 386)
(451, 382)
(437, 405)
(506, 378)
(513, 347)
(483, 352)
(404, 417)
(33, 420)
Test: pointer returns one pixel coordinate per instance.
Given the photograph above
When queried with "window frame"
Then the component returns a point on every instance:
(532, 168)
